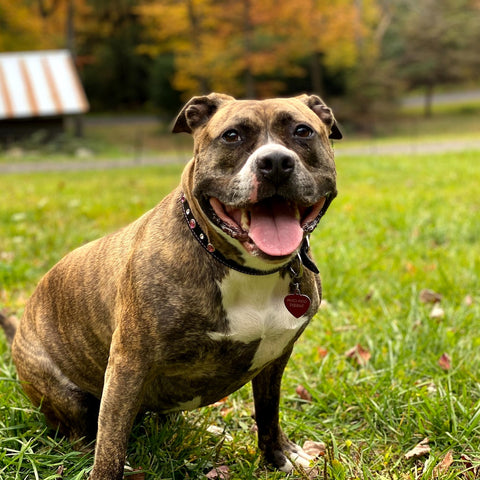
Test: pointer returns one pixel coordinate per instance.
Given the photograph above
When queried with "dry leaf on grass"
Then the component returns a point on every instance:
(437, 312)
(429, 296)
(220, 473)
(445, 362)
(471, 466)
(59, 472)
(468, 301)
(360, 354)
(419, 450)
(219, 432)
(303, 393)
(324, 304)
(442, 467)
(368, 296)
(137, 475)
(322, 352)
(315, 449)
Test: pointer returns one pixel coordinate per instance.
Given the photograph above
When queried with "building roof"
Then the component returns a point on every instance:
(38, 84)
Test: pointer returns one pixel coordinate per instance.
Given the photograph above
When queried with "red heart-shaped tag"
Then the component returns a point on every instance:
(297, 304)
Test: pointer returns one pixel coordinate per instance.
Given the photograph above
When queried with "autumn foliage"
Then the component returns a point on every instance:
(231, 45)
(133, 53)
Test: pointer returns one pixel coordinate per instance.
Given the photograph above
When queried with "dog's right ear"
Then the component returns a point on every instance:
(198, 111)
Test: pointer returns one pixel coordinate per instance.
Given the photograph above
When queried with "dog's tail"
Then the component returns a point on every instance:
(9, 323)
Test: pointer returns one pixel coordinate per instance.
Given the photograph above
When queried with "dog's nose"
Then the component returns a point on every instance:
(276, 166)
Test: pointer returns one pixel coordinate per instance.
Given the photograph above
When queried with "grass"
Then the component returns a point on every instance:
(400, 224)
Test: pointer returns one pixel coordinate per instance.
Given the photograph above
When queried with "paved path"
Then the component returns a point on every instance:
(443, 98)
(411, 148)
(91, 164)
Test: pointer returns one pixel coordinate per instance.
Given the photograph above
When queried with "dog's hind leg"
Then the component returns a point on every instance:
(67, 408)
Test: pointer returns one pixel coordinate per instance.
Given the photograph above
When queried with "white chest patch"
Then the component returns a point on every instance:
(255, 311)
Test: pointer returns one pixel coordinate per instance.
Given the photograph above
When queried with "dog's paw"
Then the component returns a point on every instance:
(297, 456)
(292, 455)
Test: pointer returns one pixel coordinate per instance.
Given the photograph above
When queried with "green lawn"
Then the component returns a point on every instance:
(400, 224)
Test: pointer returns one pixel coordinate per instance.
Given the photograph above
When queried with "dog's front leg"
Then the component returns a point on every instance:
(276, 447)
(123, 386)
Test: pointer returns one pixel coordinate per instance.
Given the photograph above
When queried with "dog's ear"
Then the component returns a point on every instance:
(198, 111)
(324, 113)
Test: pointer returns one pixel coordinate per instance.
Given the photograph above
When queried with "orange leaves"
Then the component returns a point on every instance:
(303, 393)
(445, 362)
(217, 45)
(359, 354)
(21, 27)
(443, 469)
(220, 473)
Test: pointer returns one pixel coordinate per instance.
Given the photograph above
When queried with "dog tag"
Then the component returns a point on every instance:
(297, 304)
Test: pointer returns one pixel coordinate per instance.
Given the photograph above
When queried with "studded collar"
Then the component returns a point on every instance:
(204, 241)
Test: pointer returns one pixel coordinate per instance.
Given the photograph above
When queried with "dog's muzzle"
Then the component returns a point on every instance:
(276, 216)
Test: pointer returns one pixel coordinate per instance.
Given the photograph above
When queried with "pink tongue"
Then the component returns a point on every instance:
(275, 229)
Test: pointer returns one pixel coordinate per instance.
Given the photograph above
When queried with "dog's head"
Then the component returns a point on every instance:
(263, 171)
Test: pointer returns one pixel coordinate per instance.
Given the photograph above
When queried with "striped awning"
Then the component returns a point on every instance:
(38, 84)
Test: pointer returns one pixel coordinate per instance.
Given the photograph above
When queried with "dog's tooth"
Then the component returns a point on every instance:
(245, 221)
(298, 216)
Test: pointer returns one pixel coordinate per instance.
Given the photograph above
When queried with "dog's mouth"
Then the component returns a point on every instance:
(275, 226)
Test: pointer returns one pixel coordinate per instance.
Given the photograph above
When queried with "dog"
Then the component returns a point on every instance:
(205, 292)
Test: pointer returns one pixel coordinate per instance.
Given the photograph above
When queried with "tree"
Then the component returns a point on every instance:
(437, 43)
(20, 28)
(115, 73)
(248, 48)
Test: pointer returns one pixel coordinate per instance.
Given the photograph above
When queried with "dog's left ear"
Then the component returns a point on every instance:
(198, 111)
(324, 113)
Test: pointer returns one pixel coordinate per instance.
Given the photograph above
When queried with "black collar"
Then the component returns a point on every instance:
(202, 238)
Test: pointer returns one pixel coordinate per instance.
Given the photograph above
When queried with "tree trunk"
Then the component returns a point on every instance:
(428, 101)
(247, 42)
(69, 27)
(316, 73)
(195, 32)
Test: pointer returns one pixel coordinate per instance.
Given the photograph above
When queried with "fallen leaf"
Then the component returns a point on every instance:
(219, 432)
(442, 467)
(437, 312)
(138, 474)
(368, 296)
(419, 450)
(324, 304)
(226, 411)
(303, 393)
(429, 296)
(60, 471)
(360, 354)
(221, 473)
(445, 362)
(315, 449)
(471, 466)
(322, 352)
(468, 301)
(410, 267)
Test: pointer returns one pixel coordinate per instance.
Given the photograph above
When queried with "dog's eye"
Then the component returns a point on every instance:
(303, 131)
(231, 136)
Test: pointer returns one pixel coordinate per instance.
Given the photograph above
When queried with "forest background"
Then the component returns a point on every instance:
(362, 55)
